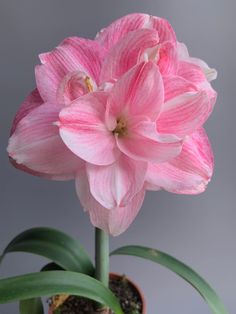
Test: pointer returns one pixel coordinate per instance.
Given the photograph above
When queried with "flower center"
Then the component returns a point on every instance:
(121, 127)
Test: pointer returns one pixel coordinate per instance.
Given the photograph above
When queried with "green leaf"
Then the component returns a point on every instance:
(51, 266)
(32, 306)
(180, 269)
(54, 245)
(35, 306)
(50, 283)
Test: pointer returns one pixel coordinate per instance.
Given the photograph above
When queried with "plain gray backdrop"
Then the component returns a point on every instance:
(199, 230)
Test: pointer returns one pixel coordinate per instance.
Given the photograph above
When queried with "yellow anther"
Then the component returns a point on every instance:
(88, 84)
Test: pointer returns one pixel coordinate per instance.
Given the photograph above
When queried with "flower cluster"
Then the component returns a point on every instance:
(121, 114)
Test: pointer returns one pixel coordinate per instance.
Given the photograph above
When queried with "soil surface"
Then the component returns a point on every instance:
(129, 297)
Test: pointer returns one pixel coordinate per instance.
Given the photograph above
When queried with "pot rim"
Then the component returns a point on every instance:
(116, 275)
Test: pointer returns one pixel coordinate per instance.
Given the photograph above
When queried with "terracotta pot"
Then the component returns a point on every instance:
(116, 276)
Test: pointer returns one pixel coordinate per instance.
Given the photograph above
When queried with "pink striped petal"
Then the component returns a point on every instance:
(138, 92)
(175, 86)
(210, 73)
(191, 72)
(127, 53)
(74, 85)
(73, 54)
(36, 147)
(190, 172)
(32, 101)
(184, 114)
(113, 221)
(115, 185)
(110, 35)
(83, 130)
(143, 143)
(165, 30)
(168, 59)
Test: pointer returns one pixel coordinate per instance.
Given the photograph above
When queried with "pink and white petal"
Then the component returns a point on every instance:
(83, 130)
(35, 146)
(74, 85)
(190, 172)
(210, 73)
(168, 59)
(144, 143)
(110, 35)
(184, 114)
(191, 72)
(138, 92)
(113, 221)
(115, 185)
(176, 85)
(32, 101)
(127, 53)
(73, 54)
(164, 29)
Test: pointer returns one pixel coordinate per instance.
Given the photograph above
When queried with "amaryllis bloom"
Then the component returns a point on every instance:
(120, 114)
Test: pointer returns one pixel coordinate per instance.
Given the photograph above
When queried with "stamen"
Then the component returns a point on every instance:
(121, 127)
(88, 83)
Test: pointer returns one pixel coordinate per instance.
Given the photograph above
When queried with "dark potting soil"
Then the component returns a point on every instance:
(130, 300)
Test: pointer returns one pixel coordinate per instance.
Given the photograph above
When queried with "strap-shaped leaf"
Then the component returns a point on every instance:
(180, 269)
(50, 283)
(54, 245)
(32, 306)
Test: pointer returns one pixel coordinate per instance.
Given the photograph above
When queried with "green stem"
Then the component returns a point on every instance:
(102, 256)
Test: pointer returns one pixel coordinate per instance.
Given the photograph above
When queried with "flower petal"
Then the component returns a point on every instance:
(110, 35)
(191, 72)
(176, 85)
(210, 73)
(184, 114)
(73, 54)
(138, 92)
(165, 30)
(37, 147)
(83, 129)
(115, 185)
(113, 221)
(127, 53)
(32, 101)
(188, 173)
(74, 85)
(144, 143)
(168, 59)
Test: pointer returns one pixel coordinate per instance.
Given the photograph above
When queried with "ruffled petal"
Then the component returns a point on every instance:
(110, 35)
(36, 147)
(73, 54)
(127, 52)
(168, 59)
(139, 92)
(144, 143)
(184, 114)
(113, 221)
(210, 73)
(32, 101)
(164, 29)
(83, 129)
(175, 86)
(191, 72)
(188, 173)
(74, 85)
(115, 185)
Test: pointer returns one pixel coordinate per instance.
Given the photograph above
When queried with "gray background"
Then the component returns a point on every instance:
(197, 229)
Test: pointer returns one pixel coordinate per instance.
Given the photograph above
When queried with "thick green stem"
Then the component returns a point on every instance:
(102, 256)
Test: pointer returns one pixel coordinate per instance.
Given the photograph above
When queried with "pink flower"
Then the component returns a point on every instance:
(121, 114)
